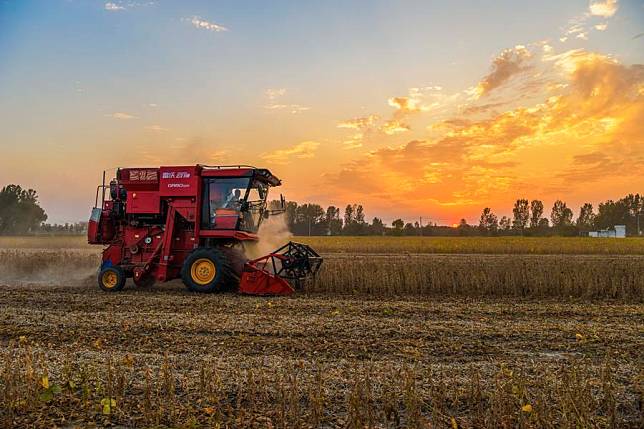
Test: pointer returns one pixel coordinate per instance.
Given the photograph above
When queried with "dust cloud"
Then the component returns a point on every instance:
(67, 268)
(273, 233)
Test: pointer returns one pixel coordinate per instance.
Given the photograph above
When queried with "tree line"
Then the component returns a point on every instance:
(529, 218)
(20, 213)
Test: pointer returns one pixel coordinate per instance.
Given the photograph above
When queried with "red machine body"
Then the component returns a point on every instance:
(188, 222)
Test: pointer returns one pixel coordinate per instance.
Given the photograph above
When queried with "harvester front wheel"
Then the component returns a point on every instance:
(205, 270)
(111, 279)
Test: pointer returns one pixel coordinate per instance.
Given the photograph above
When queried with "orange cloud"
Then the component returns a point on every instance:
(394, 127)
(505, 66)
(301, 150)
(405, 107)
(406, 104)
(589, 131)
(359, 123)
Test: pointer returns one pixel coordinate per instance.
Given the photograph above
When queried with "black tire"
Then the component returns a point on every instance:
(236, 259)
(111, 279)
(195, 272)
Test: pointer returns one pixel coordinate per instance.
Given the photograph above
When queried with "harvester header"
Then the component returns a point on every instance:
(190, 222)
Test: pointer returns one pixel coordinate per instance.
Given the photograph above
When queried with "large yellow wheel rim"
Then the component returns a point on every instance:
(203, 271)
(109, 279)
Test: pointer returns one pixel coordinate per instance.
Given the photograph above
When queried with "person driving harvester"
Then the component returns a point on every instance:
(233, 200)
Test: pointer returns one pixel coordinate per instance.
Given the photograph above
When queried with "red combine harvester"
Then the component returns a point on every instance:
(160, 224)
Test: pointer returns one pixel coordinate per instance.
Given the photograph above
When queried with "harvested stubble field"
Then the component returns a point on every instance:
(385, 341)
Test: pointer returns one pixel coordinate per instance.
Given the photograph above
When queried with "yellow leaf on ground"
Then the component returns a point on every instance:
(44, 382)
(128, 360)
(579, 336)
(454, 424)
(108, 404)
(527, 408)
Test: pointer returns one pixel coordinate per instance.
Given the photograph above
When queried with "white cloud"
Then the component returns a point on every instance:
(606, 8)
(197, 22)
(156, 128)
(274, 94)
(113, 7)
(579, 26)
(121, 116)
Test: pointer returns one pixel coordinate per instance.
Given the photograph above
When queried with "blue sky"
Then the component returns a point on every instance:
(69, 68)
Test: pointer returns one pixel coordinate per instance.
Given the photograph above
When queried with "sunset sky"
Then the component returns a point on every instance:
(411, 108)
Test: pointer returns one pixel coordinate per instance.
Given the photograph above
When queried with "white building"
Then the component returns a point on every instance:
(618, 231)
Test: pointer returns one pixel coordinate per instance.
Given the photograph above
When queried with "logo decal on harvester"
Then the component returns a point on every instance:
(175, 175)
(145, 175)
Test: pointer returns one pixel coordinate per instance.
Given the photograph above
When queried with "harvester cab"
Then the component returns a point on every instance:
(159, 224)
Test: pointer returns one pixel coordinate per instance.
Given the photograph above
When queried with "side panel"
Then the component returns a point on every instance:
(143, 202)
(179, 181)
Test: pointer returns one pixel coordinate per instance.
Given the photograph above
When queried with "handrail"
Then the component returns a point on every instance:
(96, 200)
(227, 167)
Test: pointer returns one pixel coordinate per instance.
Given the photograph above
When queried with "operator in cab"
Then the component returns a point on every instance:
(233, 201)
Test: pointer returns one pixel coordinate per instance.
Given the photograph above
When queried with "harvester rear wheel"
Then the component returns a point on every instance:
(111, 279)
(205, 270)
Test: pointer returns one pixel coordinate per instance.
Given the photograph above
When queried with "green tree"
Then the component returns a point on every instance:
(309, 220)
(291, 214)
(488, 223)
(561, 215)
(409, 229)
(536, 211)
(398, 226)
(377, 227)
(20, 212)
(621, 212)
(333, 221)
(505, 223)
(521, 214)
(349, 219)
(586, 217)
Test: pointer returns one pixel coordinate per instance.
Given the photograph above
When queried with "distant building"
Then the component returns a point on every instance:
(618, 231)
